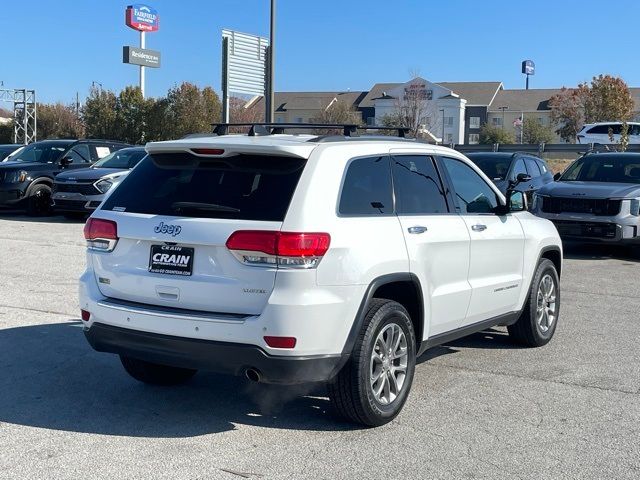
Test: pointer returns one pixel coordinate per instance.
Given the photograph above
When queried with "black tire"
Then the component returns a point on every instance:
(39, 201)
(527, 330)
(155, 374)
(351, 391)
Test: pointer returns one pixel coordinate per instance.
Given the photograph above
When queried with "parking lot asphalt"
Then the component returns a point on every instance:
(479, 407)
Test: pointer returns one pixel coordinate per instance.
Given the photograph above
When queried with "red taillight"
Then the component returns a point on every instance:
(101, 234)
(280, 342)
(208, 151)
(85, 315)
(291, 249)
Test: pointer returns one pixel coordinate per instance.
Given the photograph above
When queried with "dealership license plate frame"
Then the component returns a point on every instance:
(175, 267)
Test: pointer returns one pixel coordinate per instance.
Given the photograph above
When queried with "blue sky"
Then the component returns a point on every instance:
(322, 44)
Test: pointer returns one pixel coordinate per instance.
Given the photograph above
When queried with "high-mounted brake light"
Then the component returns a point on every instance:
(284, 249)
(207, 151)
(101, 235)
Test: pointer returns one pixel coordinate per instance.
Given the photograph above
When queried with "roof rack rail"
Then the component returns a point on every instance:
(259, 129)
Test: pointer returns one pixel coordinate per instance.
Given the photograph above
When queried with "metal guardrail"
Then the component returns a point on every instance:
(578, 148)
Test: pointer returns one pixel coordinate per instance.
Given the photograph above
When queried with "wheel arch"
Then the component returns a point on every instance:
(38, 181)
(402, 287)
(554, 254)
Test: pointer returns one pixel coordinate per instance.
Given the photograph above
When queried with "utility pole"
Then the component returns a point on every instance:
(503, 109)
(269, 100)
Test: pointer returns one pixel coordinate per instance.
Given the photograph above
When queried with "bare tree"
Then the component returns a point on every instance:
(415, 110)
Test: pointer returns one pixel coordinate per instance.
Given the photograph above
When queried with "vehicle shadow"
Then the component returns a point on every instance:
(21, 216)
(582, 251)
(491, 338)
(51, 378)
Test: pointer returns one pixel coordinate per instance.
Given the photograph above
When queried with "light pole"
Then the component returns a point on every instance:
(503, 109)
(270, 101)
(442, 141)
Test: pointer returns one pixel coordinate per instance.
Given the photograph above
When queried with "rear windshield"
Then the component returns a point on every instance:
(247, 187)
(126, 158)
(605, 168)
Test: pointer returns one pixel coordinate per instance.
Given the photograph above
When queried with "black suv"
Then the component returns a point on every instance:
(502, 167)
(26, 177)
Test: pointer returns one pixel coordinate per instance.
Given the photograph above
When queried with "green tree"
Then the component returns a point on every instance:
(534, 132)
(99, 114)
(490, 134)
(6, 132)
(132, 114)
(56, 120)
(191, 110)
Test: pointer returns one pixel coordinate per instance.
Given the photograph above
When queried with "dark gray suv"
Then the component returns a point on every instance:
(597, 199)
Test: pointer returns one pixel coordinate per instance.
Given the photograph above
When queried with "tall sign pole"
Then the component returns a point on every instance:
(142, 45)
(270, 101)
(144, 19)
(528, 68)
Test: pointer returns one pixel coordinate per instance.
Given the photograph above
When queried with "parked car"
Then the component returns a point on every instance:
(26, 177)
(596, 199)
(599, 132)
(503, 168)
(294, 259)
(79, 192)
(8, 149)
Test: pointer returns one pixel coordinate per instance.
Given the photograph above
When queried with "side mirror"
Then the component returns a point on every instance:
(517, 201)
(66, 161)
(521, 178)
(557, 176)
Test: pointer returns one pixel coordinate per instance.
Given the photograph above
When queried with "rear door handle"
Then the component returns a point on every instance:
(478, 228)
(417, 229)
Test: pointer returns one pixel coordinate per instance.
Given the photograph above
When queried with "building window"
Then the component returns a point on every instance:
(496, 121)
(299, 120)
(371, 121)
(541, 120)
(279, 119)
(474, 122)
(448, 121)
(474, 138)
(449, 137)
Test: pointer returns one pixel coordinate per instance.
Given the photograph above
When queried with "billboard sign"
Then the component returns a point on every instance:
(142, 18)
(141, 56)
(244, 60)
(528, 67)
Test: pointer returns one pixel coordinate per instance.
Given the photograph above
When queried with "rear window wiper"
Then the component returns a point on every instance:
(203, 206)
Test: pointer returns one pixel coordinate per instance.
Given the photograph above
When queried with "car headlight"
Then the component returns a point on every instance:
(635, 207)
(104, 185)
(17, 176)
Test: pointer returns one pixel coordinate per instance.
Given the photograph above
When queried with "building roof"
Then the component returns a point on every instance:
(521, 100)
(475, 93)
(311, 100)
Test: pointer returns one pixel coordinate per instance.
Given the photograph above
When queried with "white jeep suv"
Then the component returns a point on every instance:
(300, 258)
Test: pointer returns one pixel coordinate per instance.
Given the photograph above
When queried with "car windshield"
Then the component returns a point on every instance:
(494, 168)
(38, 152)
(604, 168)
(124, 159)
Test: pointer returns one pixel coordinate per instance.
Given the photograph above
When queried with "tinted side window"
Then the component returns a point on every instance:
(532, 167)
(367, 187)
(79, 154)
(600, 129)
(472, 194)
(518, 168)
(542, 166)
(417, 186)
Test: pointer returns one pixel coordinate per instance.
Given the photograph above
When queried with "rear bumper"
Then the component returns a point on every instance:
(221, 357)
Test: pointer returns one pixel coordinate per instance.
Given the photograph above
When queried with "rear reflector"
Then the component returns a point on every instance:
(208, 151)
(290, 249)
(85, 315)
(101, 235)
(280, 342)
